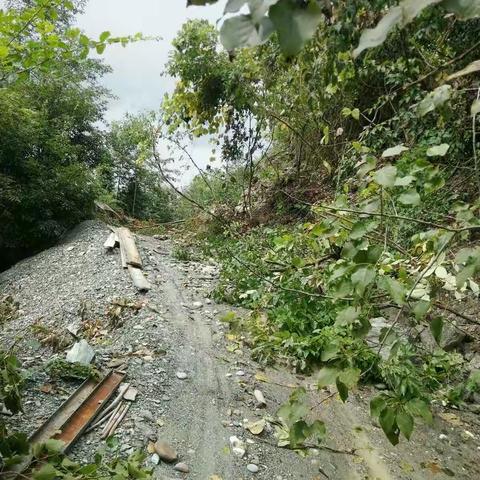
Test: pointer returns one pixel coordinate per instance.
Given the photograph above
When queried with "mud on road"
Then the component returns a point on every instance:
(178, 330)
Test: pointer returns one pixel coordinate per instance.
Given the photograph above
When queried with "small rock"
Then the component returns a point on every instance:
(238, 447)
(251, 467)
(181, 467)
(197, 305)
(155, 459)
(239, 373)
(81, 352)
(165, 451)
(443, 437)
(181, 375)
(261, 403)
(74, 328)
(151, 447)
(131, 394)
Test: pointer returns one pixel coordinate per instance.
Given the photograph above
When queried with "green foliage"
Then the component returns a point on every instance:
(295, 428)
(11, 381)
(59, 368)
(182, 253)
(129, 172)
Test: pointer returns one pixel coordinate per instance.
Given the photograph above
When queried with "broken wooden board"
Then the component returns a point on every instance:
(138, 279)
(111, 241)
(73, 416)
(123, 257)
(130, 250)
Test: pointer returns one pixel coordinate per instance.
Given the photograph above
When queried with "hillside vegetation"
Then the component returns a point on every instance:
(345, 214)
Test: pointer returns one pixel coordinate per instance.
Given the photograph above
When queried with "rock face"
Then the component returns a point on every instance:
(373, 336)
(81, 352)
(165, 451)
(450, 339)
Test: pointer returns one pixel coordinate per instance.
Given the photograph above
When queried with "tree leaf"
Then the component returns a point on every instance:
(420, 309)
(100, 48)
(329, 352)
(419, 408)
(377, 404)
(400, 15)
(405, 423)
(434, 99)
(410, 197)
(233, 6)
(396, 290)
(394, 151)
(104, 36)
(326, 376)
(436, 327)
(438, 150)
(342, 390)
(404, 181)
(350, 376)
(362, 227)
(295, 23)
(45, 472)
(387, 422)
(386, 176)
(347, 316)
(237, 32)
(363, 277)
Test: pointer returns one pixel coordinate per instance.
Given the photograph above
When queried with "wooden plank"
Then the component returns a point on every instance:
(110, 241)
(122, 256)
(139, 279)
(129, 247)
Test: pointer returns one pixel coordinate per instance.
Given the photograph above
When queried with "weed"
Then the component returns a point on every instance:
(59, 368)
(50, 337)
(182, 254)
(8, 309)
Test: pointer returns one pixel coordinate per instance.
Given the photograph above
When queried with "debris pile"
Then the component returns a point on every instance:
(131, 260)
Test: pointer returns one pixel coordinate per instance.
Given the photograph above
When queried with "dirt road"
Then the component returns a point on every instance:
(178, 333)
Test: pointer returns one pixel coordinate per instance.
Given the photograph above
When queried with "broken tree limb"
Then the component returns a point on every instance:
(113, 419)
(139, 280)
(119, 419)
(100, 422)
(130, 250)
(121, 392)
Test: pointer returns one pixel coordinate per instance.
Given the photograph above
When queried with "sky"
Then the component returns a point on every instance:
(136, 80)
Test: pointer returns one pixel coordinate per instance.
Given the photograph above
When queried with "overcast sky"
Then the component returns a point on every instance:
(136, 80)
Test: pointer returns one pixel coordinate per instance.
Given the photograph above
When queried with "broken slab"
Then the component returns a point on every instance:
(131, 394)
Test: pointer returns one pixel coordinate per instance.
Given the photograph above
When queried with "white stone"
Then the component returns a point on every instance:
(239, 373)
(251, 467)
(237, 446)
(181, 375)
(81, 352)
